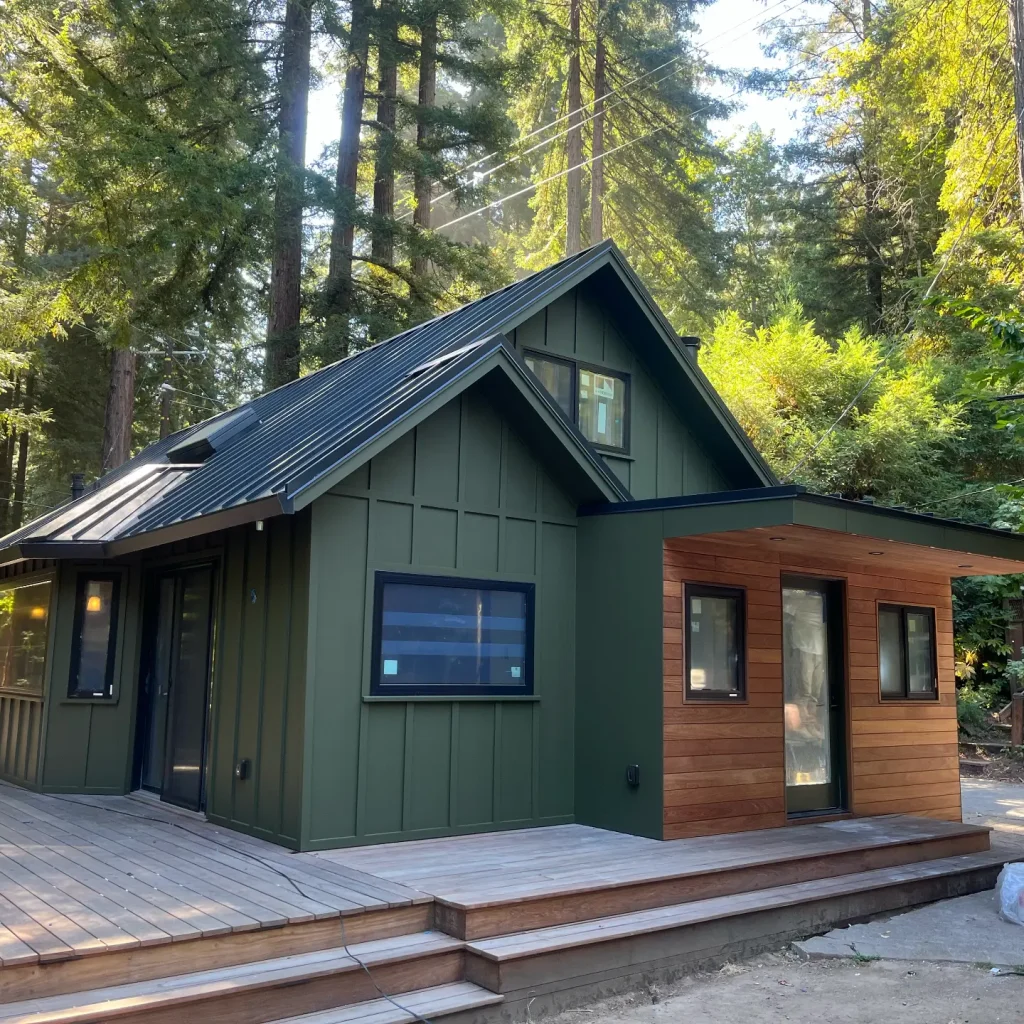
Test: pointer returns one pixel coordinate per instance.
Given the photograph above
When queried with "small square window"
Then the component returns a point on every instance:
(95, 636)
(556, 376)
(441, 635)
(906, 652)
(714, 643)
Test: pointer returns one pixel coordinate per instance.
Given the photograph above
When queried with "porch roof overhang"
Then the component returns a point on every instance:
(798, 520)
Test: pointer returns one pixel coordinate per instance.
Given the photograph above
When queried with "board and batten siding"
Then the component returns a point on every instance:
(458, 496)
(725, 762)
(665, 458)
(259, 679)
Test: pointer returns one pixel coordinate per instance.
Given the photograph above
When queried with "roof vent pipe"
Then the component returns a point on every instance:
(77, 485)
(691, 341)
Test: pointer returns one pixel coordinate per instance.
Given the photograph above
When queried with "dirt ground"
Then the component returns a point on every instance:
(784, 987)
(979, 763)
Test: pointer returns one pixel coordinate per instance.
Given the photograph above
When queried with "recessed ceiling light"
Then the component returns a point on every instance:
(966, 565)
(874, 552)
(776, 538)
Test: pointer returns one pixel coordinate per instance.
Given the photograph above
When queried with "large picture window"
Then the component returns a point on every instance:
(714, 643)
(906, 652)
(95, 636)
(595, 399)
(438, 635)
(24, 632)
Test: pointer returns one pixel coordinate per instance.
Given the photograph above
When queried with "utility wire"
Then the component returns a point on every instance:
(966, 494)
(604, 97)
(590, 160)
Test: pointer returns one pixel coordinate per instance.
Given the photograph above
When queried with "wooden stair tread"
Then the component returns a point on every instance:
(566, 936)
(108, 1003)
(800, 842)
(426, 1002)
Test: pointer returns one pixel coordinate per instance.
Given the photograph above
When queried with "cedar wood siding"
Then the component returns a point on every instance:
(725, 763)
(665, 458)
(459, 495)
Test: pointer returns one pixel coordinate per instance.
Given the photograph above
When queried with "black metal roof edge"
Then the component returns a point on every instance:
(691, 366)
(756, 494)
(745, 494)
(433, 386)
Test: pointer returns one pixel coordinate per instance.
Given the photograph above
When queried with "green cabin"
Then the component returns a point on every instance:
(517, 566)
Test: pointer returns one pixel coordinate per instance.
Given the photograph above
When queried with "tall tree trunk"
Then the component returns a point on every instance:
(382, 241)
(166, 394)
(338, 291)
(875, 266)
(282, 359)
(1017, 55)
(597, 146)
(117, 419)
(427, 99)
(574, 142)
(7, 447)
(17, 516)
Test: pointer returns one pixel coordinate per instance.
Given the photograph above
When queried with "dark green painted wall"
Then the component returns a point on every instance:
(87, 743)
(665, 457)
(259, 679)
(619, 672)
(459, 495)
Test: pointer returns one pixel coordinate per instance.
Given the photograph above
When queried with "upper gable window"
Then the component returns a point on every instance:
(595, 399)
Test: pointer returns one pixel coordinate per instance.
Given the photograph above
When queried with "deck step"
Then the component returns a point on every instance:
(262, 991)
(711, 931)
(429, 1003)
(714, 868)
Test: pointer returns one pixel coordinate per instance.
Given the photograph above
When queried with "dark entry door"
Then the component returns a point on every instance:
(176, 685)
(814, 694)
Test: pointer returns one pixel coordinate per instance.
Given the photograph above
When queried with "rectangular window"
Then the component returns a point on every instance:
(557, 377)
(714, 643)
(95, 636)
(595, 399)
(906, 652)
(24, 632)
(438, 635)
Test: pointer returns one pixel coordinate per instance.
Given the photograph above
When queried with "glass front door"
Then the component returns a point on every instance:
(175, 686)
(812, 663)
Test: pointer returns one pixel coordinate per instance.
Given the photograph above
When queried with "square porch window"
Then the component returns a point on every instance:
(906, 653)
(94, 640)
(714, 643)
(447, 636)
(24, 633)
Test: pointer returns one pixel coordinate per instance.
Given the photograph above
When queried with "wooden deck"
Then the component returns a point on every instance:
(119, 909)
(86, 875)
(486, 869)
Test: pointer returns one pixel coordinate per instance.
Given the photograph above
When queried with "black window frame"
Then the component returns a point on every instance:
(575, 366)
(709, 590)
(378, 688)
(82, 579)
(904, 609)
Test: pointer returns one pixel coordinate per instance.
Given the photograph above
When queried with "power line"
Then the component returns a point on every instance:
(966, 494)
(604, 97)
(590, 160)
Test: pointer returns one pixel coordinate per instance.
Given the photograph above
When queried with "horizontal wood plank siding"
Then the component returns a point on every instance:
(724, 763)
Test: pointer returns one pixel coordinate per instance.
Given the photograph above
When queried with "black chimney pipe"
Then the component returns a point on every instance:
(77, 485)
(691, 342)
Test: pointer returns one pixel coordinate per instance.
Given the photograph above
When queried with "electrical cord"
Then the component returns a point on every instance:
(270, 867)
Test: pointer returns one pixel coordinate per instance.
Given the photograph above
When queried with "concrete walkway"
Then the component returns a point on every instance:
(963, 930)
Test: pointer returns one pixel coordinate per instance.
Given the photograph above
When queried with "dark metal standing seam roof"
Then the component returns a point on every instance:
(303, 426)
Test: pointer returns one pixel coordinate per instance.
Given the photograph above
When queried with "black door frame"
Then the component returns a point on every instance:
(839, 690)
(151, 576)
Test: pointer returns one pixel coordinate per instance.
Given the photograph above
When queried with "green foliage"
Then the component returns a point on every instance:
(787, 386)
(972, 710)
